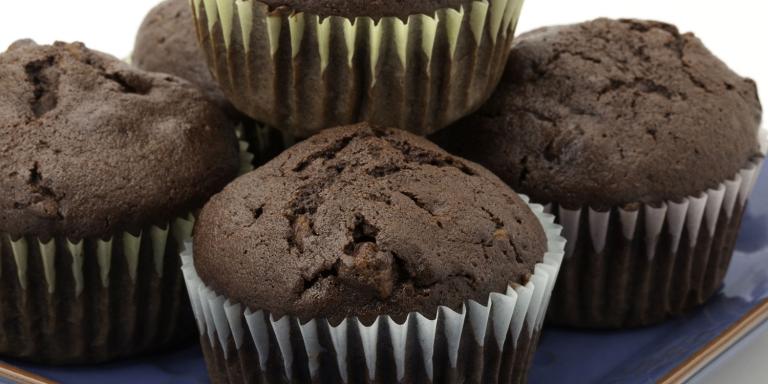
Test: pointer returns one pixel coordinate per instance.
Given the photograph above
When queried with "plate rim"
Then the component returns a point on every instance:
(679, 374)
(705, 355)
(20, 376)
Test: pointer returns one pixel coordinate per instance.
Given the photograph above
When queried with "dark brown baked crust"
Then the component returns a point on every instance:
(612, 112)
(365, 222)
(167, 43)
(91, 146)
(369, 8)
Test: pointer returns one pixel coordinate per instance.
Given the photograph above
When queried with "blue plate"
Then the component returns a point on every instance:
(639, 356)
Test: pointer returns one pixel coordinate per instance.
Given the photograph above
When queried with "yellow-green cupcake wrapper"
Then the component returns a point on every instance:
(22, 248)
(302, 72)
(66, 301)
(72, 301)
(259, 144)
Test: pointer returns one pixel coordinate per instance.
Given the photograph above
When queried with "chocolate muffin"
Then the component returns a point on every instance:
(102, 168)
(646, 147)
(167, 43)
(303, 66)
(379, 228)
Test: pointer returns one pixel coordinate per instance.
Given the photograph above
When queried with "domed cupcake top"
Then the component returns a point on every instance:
(375, 8)
(613, 112)
(90, 146)
(358, 221)
(167, 43)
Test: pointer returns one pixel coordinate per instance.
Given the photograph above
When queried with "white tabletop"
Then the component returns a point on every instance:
(735, 30)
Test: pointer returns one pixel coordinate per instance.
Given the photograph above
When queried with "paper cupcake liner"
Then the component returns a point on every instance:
(487, 343)
(259, 144)
(638, 267)
(302, 72)
(64, 301)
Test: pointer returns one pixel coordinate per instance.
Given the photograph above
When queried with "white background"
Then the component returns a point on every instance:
(735, 30)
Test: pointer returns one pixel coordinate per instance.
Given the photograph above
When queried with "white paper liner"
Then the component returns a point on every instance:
(686, 245)
(693, 212)
(291, 54)
(505, 315)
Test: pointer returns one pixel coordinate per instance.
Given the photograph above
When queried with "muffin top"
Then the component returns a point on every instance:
(167, 42)
(609, 113)
(369, 8)
(358, 221)
(91, 146)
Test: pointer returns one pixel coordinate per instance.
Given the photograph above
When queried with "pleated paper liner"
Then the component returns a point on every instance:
(259, 144)
(93, 300)
(638, 267)
(302, 72)
(483, 343)
(66, 301)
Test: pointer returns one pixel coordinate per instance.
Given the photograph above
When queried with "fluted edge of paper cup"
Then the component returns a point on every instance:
(641, 266)
(492, 341)
(259, 144)
(65, 301)
(302, 72)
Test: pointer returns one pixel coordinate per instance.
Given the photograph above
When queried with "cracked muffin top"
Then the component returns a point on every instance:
(358, 221)
(609, 113)
(369, 8)
(167, 42)
(90, 146)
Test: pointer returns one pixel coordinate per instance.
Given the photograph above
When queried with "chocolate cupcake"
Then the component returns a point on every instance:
(167, 43)
(644, 145)
(370, 255)
(305, 65)
(102, 167)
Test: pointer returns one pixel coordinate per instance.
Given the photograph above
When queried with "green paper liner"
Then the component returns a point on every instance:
(65, 301)
(94, 300)
(259, 144)
(301, 72)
